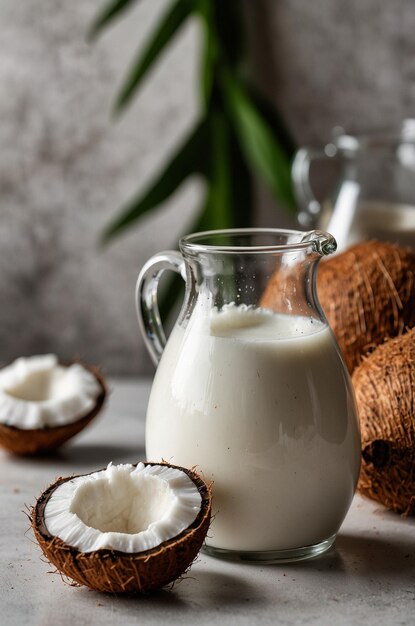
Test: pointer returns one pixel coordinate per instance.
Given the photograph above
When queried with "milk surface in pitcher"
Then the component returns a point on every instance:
(261, 403)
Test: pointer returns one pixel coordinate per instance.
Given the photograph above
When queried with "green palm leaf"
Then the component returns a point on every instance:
(169, 24)
(228, 25)
(219, 209)
(109, 12)
(258, 142)
(189, 159)
(274, 119)
(209, 52)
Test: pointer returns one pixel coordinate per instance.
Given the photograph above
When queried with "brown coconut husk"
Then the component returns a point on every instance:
(367, 294)
(40, 440)
(119, 572)
(385, 393)
(285, 291)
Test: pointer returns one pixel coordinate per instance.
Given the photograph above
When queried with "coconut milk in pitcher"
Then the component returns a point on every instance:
(258, 399)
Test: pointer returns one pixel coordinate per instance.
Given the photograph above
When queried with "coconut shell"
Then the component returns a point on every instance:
(286, 293)
(385, 393)
(367, 294)
(119, 572)
(39, 440)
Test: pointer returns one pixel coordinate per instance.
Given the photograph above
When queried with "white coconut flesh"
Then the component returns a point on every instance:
(38, 392)
(124, 507)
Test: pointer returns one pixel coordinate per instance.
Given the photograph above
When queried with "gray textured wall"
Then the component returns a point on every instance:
(330, 62)
(65, 168)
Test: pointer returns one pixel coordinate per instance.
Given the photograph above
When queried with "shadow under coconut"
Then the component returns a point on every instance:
(376, 556)
(87, 455)
(167, 597)
(210, 589)
(396, 518)
(100, 454)
(363, 557)
(202, 590)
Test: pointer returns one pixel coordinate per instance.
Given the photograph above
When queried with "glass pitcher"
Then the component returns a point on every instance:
(251, 389)
(375, 194)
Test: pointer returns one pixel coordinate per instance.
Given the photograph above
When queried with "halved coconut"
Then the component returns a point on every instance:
(128, 528)
(44, 403)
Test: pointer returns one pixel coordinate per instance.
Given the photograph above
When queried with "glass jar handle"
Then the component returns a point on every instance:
(310, 207)
(146, 299)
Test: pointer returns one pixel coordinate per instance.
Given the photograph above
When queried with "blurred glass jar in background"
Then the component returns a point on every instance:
(374, 197)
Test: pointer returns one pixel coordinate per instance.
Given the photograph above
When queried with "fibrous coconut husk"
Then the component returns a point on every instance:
(385, 393)
(367, 294)
(40, 440)
(286, 291)
(121, 572)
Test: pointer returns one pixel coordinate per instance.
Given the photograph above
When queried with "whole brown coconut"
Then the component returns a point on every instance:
(367, 294)
(40, 440)
(126, 572)
(385, 393)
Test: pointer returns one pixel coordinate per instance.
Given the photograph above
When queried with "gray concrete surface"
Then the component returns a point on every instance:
(65, 168)
(367, 578)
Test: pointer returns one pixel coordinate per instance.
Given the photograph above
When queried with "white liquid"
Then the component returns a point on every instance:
(371, 220)
(261, 404)
(387, 222)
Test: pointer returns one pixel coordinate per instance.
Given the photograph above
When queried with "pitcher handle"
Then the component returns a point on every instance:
(146, 299)
(310, 207)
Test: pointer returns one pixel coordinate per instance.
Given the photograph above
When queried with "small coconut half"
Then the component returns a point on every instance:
(385, 394)
(44, 403)
(127, 528)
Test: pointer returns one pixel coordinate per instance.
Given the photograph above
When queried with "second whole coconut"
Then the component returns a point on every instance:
(385, 393)
(367, 294)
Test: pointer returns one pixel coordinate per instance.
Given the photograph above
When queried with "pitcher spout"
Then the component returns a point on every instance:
(324, 243)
